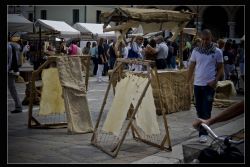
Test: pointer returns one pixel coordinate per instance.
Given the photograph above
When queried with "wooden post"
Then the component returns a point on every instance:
(103, 104)
(181, 65)
(51, 59)
(131, 119)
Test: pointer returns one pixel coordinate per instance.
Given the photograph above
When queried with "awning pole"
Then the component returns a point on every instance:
(40, 42)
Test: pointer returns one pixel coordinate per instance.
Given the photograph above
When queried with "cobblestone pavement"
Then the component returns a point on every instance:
(57, 146)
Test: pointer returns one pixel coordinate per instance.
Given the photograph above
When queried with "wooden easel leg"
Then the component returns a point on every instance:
(103, 104)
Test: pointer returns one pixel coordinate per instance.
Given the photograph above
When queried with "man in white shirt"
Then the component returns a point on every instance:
(162, 53)
(207, 64)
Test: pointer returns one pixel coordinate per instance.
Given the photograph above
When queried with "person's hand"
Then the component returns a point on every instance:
(212, 84)
(198, 121)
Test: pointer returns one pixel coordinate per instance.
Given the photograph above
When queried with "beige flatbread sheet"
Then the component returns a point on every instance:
(119, 107)
(146, 117)
(128, 91)
(51, 95)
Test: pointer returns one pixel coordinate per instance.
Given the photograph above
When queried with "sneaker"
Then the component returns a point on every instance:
(203, 139)
(16, 111)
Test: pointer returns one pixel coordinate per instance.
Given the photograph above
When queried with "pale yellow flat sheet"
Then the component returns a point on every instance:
(146, 117)
(119, 107)
(128, 91)
(51, 95)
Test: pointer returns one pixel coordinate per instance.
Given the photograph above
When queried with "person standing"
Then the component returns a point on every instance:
(94, 57)
(149, 55)
(112, 55)
(229, 60)
(162, 53)
(13, 72)
(63, 48)
(102, 59)
(186, 53)
(136, 46)
(73, 48)
(221, 45)
(173, 59)
(207, 64)
(170, 55)
(241, 56)
(85, 50)
(26, 50)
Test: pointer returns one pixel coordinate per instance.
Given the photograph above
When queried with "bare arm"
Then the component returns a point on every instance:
(231, 112)
(191, 71)
(151, 49)
(220, 71)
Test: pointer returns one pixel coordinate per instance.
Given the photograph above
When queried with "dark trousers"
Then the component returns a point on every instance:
(95, 62)
(160, 63)
(105, 69)
(13, 92)
(111, 62)
(204, 96)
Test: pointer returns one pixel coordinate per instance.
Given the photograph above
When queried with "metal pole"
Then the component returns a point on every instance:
(197, 18)
(181, 51)
(85, 13)
(40, 42)
(34, 20)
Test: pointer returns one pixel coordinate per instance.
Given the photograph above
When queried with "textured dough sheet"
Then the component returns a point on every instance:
(51, 95)
(128, 91)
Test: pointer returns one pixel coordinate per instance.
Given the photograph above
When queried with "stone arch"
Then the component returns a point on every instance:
(239, 22)
(216, 19)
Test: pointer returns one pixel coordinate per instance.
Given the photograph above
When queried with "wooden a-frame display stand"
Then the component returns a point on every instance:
(32, 121)
(151, 73)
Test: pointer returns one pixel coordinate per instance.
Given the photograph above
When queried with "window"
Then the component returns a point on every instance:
(98, 13)
(43, 14)
(75, 16)
(31, 17)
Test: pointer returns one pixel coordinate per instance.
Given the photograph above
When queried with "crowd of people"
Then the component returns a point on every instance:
(164, 52)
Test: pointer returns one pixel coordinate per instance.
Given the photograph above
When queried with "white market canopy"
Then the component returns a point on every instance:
(93, 29)
(18, 23)
(64, 30)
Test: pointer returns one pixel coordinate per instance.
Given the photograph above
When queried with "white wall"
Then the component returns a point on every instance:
(61, 13)
(65, 13)
(23, 10)
(91, 11)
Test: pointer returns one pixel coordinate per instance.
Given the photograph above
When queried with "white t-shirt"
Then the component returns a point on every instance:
(205, 68)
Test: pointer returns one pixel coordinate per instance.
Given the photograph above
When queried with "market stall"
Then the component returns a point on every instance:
(18, 23)
(95, 30)
(157, 20)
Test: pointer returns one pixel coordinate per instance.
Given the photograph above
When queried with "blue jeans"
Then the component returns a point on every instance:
(173, 61)
(204, 96)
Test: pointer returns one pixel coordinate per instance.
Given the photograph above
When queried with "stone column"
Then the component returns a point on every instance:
(231, 29)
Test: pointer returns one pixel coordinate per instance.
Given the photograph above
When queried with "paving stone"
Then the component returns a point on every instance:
(57, 146)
